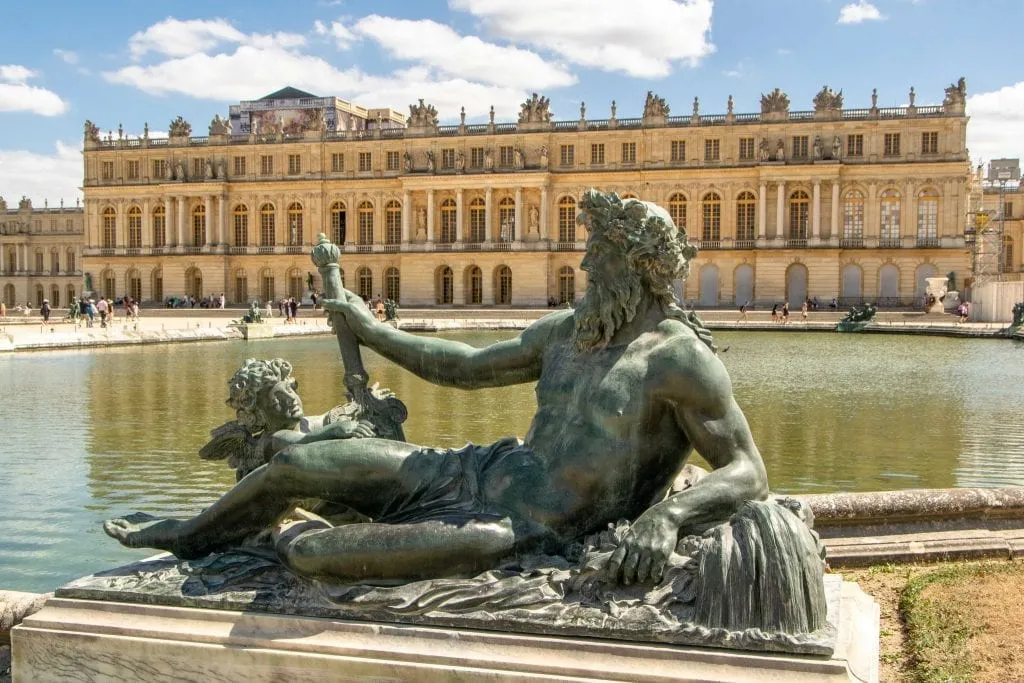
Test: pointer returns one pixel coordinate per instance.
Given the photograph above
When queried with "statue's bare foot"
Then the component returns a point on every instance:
(139, 530)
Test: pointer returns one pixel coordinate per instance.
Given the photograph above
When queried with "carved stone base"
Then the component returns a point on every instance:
(90, 640)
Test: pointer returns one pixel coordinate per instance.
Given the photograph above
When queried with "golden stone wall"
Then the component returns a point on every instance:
(40, 254)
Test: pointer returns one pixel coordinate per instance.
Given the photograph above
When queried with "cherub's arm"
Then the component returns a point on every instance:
(342, 429)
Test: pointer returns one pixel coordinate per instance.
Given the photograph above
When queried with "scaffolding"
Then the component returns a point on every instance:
(987, 226)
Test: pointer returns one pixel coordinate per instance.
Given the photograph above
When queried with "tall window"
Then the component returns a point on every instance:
(134, 227)
(629, 152)
(134, 281)
(199, 225)
(477, 221)
(295, 283)
(448, 216)
(855, 145)
(239, 168)
(712, 149)
(746, 149)
(597, 153)
(268, 290)
(240, 216)
(197, 168)
(746, 214)
(567, 155)
(504, 288)
(445, 286)
(393, 224)
(266, 165)
(800, 146)
(294, 224)
(711, 226)
(476, 286)
(241, 286)
(853, 216)
(1007, 254)
(294, 164)
(476, 157)
(39, 261)
(890, 216)
(799, 204)
(107, 170)
(678, 150)
(566, 285)
(928, 215)
(393, 162)
(54, 262)
(109, 284)
(109, 227)
(159, 169)
(338, 223)
(364, 283)
(337, 162)
(567, 219)
(677, 210)
(365, 223)
(393, 284)
(160, 227)
(365, 162)
(447, 158)
(507, 219)
(892, 145)
(132, 170)
(506, 155)
(69, 261)
(268, 226)
(930, 142)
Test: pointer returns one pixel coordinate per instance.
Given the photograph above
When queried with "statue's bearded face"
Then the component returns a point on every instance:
(614, 294)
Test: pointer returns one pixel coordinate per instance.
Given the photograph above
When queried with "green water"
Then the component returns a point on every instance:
(90, 435)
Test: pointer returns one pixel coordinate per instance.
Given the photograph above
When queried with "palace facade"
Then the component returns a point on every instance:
(829, 202)
(40, 254)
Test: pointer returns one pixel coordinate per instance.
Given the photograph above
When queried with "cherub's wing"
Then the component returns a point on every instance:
(231, 441)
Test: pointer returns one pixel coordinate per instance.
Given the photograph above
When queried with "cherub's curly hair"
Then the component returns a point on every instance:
(655, 248)
(245, 386)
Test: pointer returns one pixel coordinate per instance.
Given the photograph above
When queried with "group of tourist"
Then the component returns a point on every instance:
(287, 308)
(189, 301)
(383, 309)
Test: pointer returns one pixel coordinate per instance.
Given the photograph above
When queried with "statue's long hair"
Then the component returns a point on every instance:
(245, 387)
(655, 248)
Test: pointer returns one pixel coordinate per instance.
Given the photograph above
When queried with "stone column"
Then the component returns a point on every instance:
(378, 225)
(544, 234)
(518, 227)
(181, 215)
(780, 211)
(406, 214)
(487, 287)
(208, 208)
(816, 211)
(147, 224)
(222, 220)
(458, 215)
(834, 219)
(430, 216)
(762, 210)
(488, 237)
(458, 290)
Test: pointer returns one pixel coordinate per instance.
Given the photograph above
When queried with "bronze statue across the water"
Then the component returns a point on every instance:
(554, 531)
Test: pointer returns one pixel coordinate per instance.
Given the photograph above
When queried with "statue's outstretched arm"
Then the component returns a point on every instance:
(452, 363)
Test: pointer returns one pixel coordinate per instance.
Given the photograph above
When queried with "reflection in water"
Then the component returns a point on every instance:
(89, 435)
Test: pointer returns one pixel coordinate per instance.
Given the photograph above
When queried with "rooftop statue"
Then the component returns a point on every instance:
(655, 106)
(179, 128)
(422, 115)
(219, 126)
(576, 529)
(956, 93)
(775, 102)
(827, 100)
(92, 131)
(535, 110)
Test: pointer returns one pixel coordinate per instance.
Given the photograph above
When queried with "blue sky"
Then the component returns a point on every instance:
(131, 63)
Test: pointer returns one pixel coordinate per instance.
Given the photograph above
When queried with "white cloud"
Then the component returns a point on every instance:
(857, 12)
(997, 123)
(42, 177)
(176, 38)
(67, 56)
(17, 95)
(343, 37)
(644, 39)
(436, 45)
(784, 51)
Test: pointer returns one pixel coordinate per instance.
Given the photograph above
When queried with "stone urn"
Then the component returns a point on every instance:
(935, 294)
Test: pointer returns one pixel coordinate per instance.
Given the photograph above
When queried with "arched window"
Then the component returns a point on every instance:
(796, 284)
(851, 285)
(70, 291)
(888, 285)
(109, 282)
(338, 223)
(677, 209)
(134, 281)
(241, 286)
(448, 216)
(711, 226)
(566, 219)
(928, 217)
(393, 284)
(393, 224)
(109, 228)
(55, 296)
(158, 284)
(507, 220)
(295, 224)
(268, 289)
(566, 285)
(194, 282)
(69, 261)
(1008, 262)
(743, 284)
(39, 296)
(199, 226)
(503, 286)
(746, 217)
(444, 286)
(364, 281)
(240, 216)
(474, 286)
(295, 284)
(160, 226)
(9, 296)
(365, 223)
(708, 285)
(54, 261)
(39, 261)
(134, 228)
(853, 216)
(268, 225)
(799, 204)
(889, 228)
(477, 221)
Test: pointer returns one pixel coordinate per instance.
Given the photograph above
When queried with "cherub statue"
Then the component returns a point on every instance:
(269, 417)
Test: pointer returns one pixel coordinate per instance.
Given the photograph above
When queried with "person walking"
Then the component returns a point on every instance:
(293, 310)
(775, 313)
(3, 310)
(785, 313)
(45, 310)
(270, 310)
(101, 308)
(803, 311)
(743, 311)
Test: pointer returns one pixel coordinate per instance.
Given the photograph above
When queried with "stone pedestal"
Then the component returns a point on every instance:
(92, 640)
